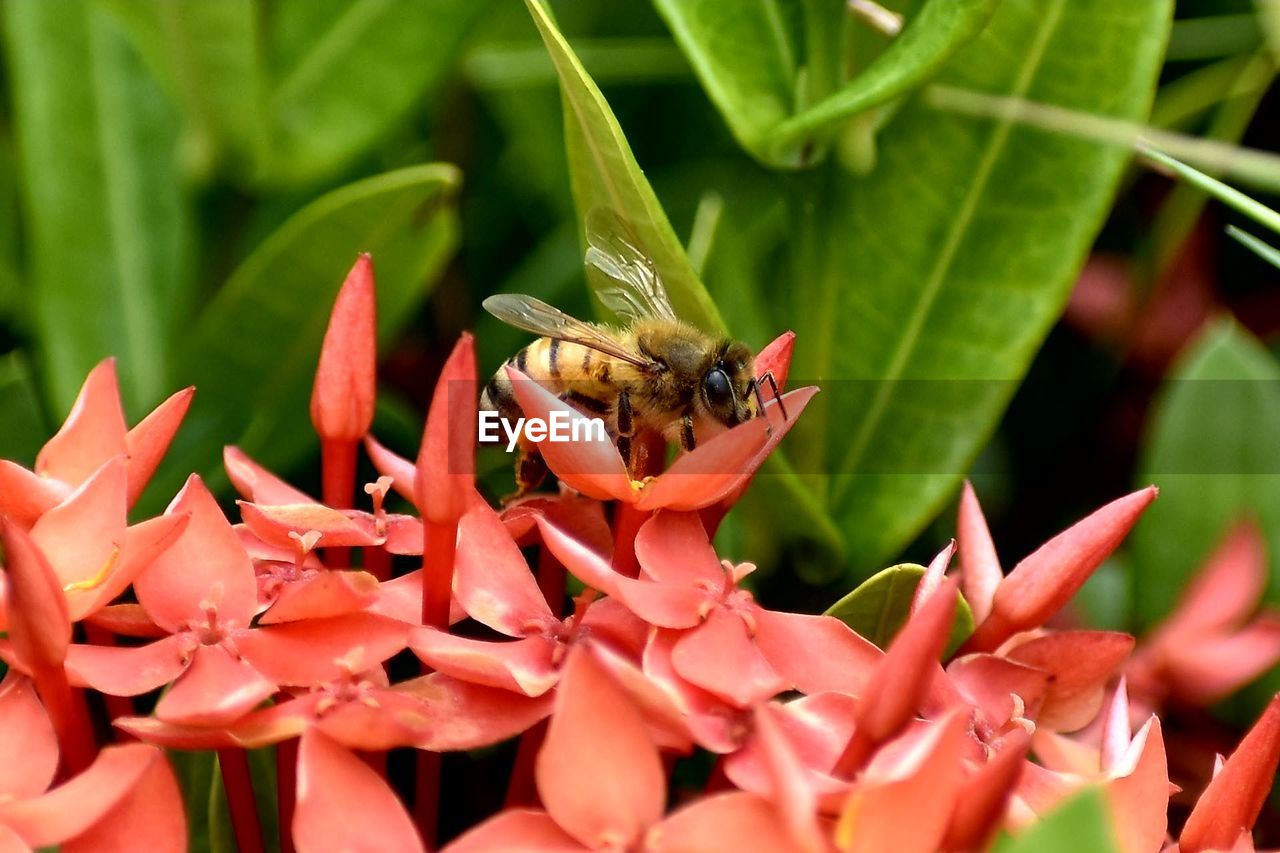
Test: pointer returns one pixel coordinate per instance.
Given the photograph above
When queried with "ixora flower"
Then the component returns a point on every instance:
(127, 799)
(1208, 647)
(727, 644)
(203, 592)
(93, 434)
(601, 779)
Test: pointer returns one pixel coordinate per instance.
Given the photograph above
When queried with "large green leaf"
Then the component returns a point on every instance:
(746, 59)
(22, 426)
(605, 174)
(208, 54)
(253, 352)
(1082, 822)
(880, 605)
(102, 199)
(351, 71)
(924, 288)
(1211, 450)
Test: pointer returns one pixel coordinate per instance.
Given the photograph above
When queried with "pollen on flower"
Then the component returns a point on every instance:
(98, 579)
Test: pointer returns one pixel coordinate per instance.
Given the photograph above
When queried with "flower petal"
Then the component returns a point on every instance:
(257, 484)
(516, 829)
(345, 388)
(1227, 589)
(325, 594)
(599, 774)
(73, 808)
(149, 440)
(39, 625)
(471, 716)
(127, 620)
(401, 598)
(274, 524)
(1140, 799)
(720, 465)
(1207, 669)
(732, 821)
(1042, 583)
(25, 496)
(128, 670)
(987, 792)
(979, 566)
(176, 736)
(28, 747)
(524, 666)
(990, 683)
(775, 357)
(82, 536)
(313, 651)
(815, 653)
(491, 580)
(143, 542)
(721, 657)
(1081, 663)
(93, 432)
(673, 548)
(593, 468)
(206, 566)
(215, 689)
(150, 817)
(584, 563)
(1234, 797)
(344, 805)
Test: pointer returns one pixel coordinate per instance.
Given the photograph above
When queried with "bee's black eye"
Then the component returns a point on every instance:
(716, 386)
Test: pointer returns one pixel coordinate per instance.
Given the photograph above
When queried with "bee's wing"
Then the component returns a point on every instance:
(633, 289)
(534, 315)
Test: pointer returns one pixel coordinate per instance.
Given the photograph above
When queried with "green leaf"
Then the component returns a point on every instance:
(1263, 250)
(345, 85)
(923, 289)
(879, 607)
(747, 62)
(605, 174)
(22, 425)
(1083, 822)
(102, 199)
(253, 352)
(207, 53)
(1209, 450)
(198, 776)
(930, 38)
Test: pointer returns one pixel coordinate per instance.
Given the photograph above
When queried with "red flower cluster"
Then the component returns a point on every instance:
(266, 633)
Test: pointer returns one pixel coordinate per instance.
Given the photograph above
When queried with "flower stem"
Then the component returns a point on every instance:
(338, 473)
(625, 527)
(70, 718)
(286, 790)
(238, 783)
(426, 798)
(377, 562)
(438, 547)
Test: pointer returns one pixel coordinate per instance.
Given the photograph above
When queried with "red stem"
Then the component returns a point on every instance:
(439, 541)
(426, 799)
(338, 473)
(377, 562)
(551, 580)
(238, 783)
(856, 752)
(70, 717)
(117, 706)
(625, 527)
(522, 789)
(286, 790)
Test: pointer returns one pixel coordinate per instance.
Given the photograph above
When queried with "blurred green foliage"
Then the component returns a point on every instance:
(184, 183)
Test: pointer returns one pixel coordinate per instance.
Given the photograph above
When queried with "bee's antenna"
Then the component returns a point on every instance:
(773, 386)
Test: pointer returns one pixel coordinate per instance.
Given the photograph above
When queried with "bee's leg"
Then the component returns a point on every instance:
(531, 470)
(687, 439)
(773, 386)
(626, 427)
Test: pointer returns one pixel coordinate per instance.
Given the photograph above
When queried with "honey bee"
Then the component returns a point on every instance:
(656, 373)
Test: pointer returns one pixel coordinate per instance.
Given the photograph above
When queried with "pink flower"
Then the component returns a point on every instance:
(1208, 647)
(93, 434)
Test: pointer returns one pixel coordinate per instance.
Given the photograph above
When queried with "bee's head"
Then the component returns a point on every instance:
(726, 384)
